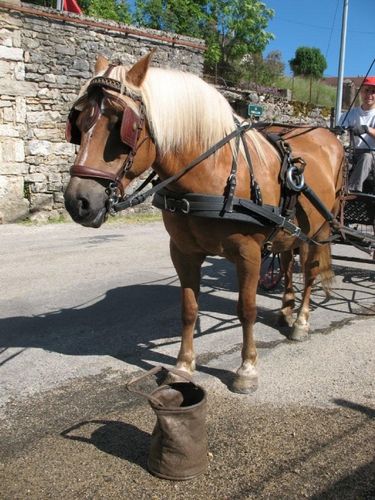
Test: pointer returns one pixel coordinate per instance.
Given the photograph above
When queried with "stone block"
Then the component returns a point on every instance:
(50, 78)
(13, 206)
(38, 187)
(5, 104)
(11, 168)
(6, 69)
(19, 71)
(45, 134)
(20, 110)
(11, 53)
(42, 148)
(40, 201)
(8, 131)
(12, 150)
(64, 148)
(35, 178)
(6, 37)
(44, 117)
(9, 114)
(64, 49)
(59, 197)
(21, 88)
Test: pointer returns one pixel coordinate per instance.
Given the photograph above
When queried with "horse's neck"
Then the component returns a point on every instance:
(211, 176)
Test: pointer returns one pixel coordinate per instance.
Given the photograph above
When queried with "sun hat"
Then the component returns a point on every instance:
(370, 80)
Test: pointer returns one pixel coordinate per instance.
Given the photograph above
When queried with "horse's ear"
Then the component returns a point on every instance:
(137, 73)
(101, 64)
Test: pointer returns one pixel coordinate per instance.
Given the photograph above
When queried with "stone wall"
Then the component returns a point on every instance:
(45, 56)
(277, 109)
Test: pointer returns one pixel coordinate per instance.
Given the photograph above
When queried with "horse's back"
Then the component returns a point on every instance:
(319, 148)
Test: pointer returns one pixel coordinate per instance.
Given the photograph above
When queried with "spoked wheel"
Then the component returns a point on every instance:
(270, 271)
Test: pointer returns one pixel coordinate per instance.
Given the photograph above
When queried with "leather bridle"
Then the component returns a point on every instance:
(131, 128)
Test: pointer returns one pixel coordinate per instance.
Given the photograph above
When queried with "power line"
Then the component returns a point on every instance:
(333, 25)
(290, 21)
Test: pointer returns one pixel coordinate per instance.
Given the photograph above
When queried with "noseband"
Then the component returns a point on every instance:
(131, 127)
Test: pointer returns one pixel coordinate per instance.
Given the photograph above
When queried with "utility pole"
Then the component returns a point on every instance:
(340, 78)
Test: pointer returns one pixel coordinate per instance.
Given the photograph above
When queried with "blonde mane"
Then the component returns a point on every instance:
(183, 110)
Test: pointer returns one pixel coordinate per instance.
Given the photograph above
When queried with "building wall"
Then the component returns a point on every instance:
(44, 58)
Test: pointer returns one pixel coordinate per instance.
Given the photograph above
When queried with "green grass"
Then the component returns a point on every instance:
(131, 218)
(322, 95)
(135, 218)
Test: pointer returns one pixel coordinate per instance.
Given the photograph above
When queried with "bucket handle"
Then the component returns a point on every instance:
(153, 371)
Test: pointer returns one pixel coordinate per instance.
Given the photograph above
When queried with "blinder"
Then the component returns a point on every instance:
(129, 130)
(72, 132)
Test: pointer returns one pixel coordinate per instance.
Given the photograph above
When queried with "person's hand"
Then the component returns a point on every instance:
(360, 129)
(338, 130)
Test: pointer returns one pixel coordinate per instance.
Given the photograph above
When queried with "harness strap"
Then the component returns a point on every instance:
(256, 194)
(136, 199)
(210, 206)
(232, 179)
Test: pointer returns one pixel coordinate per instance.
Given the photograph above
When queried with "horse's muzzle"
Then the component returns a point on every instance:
(86, 202)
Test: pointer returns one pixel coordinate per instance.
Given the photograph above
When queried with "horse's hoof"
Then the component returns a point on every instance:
(285, 321)
(244, 385)
(171, 378)
(299, 335)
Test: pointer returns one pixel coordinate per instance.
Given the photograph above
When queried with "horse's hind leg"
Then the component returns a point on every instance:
(248, 269)
(318, 261)
(288, 300)
(188, 268)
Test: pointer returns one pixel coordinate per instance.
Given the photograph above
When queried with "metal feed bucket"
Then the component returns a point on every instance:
(179, 447)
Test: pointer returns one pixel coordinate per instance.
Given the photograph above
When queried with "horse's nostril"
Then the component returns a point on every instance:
(83, 203)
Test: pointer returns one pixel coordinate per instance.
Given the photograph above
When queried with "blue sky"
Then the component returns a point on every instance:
(317, 23)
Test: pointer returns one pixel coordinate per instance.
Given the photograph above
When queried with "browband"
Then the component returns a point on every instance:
(110, 83)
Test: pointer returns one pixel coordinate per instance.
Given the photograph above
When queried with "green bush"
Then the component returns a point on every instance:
(322, 95)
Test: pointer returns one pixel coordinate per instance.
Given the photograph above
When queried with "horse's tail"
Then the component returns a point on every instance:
(325, 268)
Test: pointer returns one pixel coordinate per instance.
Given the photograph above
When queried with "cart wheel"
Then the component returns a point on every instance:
(270, 272)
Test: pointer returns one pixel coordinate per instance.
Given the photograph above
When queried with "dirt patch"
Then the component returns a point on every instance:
(73, 444)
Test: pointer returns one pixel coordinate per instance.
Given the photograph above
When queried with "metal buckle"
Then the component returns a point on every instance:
(113, 198)
(173, 205)
(186, 209)
(295, 179)
(166, 207)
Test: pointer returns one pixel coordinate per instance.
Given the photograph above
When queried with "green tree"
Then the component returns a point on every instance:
(116, 10)
(179, 16)
(310, 63)
(230, 28)
(262, 71)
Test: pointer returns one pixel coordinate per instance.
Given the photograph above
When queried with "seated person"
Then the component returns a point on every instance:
(361, 121)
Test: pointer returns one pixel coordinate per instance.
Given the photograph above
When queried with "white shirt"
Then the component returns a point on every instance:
(358, 116)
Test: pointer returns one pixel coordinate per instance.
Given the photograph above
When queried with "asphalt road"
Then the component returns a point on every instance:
(84, 310)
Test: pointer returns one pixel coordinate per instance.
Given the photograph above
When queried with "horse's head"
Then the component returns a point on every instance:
(108, 123)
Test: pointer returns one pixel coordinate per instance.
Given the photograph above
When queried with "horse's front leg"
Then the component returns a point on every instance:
(248, 269)
(188, 267)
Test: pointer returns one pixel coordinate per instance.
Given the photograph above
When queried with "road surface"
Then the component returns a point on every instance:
(83, 310)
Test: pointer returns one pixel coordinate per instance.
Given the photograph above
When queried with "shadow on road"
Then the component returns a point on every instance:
(114, 437)
(129, 322)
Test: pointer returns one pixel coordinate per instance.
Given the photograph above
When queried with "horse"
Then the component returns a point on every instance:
(128, 119)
